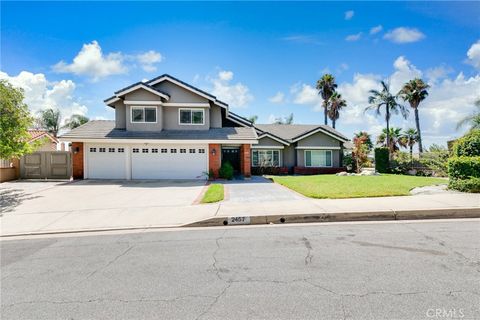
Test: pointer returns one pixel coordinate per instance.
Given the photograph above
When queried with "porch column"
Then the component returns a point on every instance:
(214, 161)
(245, 160)
(77, 160)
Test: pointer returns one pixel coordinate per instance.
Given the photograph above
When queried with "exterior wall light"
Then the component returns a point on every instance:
(214, 152)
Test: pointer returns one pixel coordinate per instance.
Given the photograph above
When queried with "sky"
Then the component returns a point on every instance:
(263, 58)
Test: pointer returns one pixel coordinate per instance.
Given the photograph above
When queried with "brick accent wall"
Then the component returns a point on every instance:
(245, 160)
(214, 161)
(77, 160)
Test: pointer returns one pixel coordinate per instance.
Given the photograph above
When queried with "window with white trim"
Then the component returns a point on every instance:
(121, 150)
(144, 114)
(111, 149)
(93, 149)
(191, 116)
(191, 150)
(154, 150)
(135, 150)
(201, 150)
(173, 150)
(145, 150)
(101, 149)
(183, 150)
(266, 158)
(163, 150)
(318, 158)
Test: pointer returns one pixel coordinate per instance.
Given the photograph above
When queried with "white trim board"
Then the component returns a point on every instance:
(187, 104)
(316, 131)
(318, 148)
(142, 86)
(143, 102)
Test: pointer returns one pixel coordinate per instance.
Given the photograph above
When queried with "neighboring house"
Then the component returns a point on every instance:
(168, 129)
(10, 169)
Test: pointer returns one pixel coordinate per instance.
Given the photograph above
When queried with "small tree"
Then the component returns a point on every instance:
(75, 121)
(253, 119)
(15, 120)
(360, 152)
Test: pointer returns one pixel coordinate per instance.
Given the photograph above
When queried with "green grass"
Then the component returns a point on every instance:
(336, 187)
(214, 193)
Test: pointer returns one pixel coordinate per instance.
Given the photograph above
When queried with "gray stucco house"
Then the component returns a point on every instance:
(168, 129)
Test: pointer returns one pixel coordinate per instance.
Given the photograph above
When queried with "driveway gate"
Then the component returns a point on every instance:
(46, 165)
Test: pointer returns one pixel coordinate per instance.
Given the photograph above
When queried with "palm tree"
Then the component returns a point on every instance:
(415, 91)
(326, 87)
(394, 138)
(286, 120)
(253, 118)
(409, 138)
(473, 119)
(75, 121)
(50, 120)
(384, 98)
(336, 104)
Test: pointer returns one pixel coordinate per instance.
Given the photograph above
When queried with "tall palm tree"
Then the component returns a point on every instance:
(336, 104)
(50, 120)
(394, 137)
(385, 99)
(473, 119)
(415, 91)
(326, 87)
(409, 138)
(75, 121)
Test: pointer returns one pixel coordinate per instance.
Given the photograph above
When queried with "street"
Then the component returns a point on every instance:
(371, 270)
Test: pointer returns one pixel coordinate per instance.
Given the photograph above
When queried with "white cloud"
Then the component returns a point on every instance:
(349, 14)
(236, 95)
(437, 73)
(376, 29)
(278, 98)
(41, 93)
(148, 60)
(93, 63)
(354, 37)
(473, 55)
(404, 71)
(404, 35)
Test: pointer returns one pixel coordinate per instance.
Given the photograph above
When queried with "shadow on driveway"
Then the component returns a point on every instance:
(11, 198)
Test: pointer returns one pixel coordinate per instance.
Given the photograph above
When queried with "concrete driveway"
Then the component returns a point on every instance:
(58, 206)
(258, 189)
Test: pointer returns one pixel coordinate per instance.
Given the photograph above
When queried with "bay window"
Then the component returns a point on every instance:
(265, 158)
(318, 158)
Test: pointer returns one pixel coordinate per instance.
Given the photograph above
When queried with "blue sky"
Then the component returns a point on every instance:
(262, 58)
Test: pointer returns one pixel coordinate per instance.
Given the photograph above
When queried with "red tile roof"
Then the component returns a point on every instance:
(35, 134)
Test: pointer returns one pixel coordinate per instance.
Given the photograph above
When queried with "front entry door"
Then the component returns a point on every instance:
(232, 155)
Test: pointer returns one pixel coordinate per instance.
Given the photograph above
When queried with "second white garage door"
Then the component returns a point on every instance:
(169, 162)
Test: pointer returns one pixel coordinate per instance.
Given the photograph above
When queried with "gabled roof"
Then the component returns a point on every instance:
(294, 132)
(133, 87)
(187, 86)
(36, 134)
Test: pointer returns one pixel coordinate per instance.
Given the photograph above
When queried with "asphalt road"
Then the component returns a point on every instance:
(418, 270)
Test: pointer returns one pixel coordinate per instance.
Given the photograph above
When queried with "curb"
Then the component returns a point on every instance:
(382, 215)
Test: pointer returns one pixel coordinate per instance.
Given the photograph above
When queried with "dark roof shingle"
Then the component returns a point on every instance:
(289, 132)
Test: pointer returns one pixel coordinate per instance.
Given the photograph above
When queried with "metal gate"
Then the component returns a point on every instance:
(46, 165)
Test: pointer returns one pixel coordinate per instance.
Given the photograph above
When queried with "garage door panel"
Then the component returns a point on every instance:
(106, 161)
(169, 165)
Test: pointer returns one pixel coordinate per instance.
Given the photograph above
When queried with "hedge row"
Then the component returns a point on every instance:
(465, 185)
(464, 167)
(468, 145)
(381, 160)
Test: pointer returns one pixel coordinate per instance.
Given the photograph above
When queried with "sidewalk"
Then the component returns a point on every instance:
(301, 210)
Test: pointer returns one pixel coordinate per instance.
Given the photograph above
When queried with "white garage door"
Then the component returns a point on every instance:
(106, 161)
(169, 162)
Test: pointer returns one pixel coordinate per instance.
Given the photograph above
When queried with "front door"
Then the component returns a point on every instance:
(232, 155)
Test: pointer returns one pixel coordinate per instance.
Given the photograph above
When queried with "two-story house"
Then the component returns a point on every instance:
(168, 129)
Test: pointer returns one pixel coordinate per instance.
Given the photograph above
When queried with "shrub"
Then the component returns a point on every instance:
(349, 162)
(468, 145)
(436, 162)
(226, 171)
(464, 167)
(381, 160)
(465, 185)
(258, 171)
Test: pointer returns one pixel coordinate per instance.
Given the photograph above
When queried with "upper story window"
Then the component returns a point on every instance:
(144, 114)
(192, 116)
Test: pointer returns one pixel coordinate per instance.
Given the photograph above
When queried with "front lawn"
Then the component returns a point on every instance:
(335, 187)
(214, 193)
